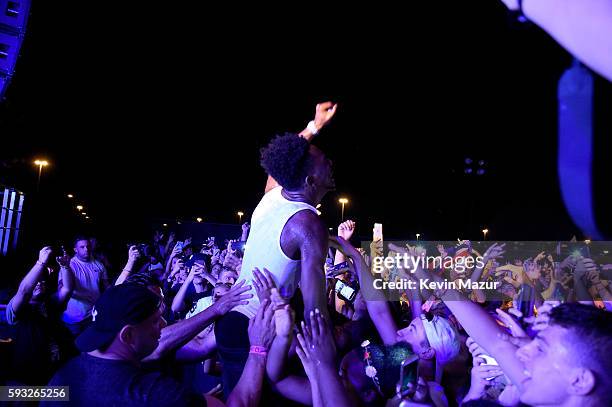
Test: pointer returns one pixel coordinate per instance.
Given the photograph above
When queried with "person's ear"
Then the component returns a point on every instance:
(582, 381)
(427, 353)
(126, 335)
(309, 181)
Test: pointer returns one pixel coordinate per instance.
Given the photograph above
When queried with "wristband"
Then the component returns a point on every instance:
(258, 350)
(40, 263)
(312, 128)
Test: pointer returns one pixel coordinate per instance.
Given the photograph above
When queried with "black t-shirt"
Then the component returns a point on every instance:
(42, 342)
(95, 381)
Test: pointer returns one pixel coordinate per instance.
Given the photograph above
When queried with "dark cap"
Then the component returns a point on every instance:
(195, 257)
(120, 305)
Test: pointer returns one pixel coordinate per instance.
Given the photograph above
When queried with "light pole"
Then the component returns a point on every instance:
(343, 201)
(240, 214)
(484, 233)
(41, 164)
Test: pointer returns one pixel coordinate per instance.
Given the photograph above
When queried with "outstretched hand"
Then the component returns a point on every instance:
(324, 113)
(316, 344)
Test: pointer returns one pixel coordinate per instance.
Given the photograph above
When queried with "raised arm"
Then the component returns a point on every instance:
(376, 304)
(66, 288)
(323, 114)
(583, 27)
(176, 335)
(247, 392)
(481, 327)
(27, 285)
(133, 255)
(178, 303)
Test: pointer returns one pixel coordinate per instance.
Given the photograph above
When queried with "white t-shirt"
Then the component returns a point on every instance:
(263, 247)
(200, 306)
(88, 286)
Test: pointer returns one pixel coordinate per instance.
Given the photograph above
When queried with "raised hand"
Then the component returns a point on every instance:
(316, 344)
(264, 284)
(284, 319)
(346, 229)
(324, 113)
(261, 327)
(480, 373)
(44, 254)
(133, 254)
(234, 297)
(515, 328)
(63, 260)
(494, 251)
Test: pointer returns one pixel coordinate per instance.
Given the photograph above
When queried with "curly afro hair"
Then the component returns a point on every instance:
(286, 159)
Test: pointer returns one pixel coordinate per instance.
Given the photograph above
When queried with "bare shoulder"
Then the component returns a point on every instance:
(304, 231)
(307, 224)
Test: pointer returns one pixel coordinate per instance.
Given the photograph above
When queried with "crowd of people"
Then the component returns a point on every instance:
(281, 315)
(286, 314)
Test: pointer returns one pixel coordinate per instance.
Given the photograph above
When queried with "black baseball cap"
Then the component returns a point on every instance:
(195, 257)
(120, 305)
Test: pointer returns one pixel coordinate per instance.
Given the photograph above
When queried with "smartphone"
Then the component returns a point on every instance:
(378, 234)
(345, 291)
(408, 376)
(489, 361)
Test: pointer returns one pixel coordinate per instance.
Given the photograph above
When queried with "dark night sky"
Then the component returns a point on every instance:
(153, 111)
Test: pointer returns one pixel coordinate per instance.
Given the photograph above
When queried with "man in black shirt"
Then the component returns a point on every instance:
(42, 342)
(126, 328)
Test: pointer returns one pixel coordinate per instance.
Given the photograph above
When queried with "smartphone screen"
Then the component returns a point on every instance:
(377, 235)
(408, 374)
(347, 292)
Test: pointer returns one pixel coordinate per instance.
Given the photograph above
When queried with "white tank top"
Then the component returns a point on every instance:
(263, 247)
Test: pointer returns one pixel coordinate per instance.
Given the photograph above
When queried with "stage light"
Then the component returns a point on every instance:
(199, 220)
(70, 196)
